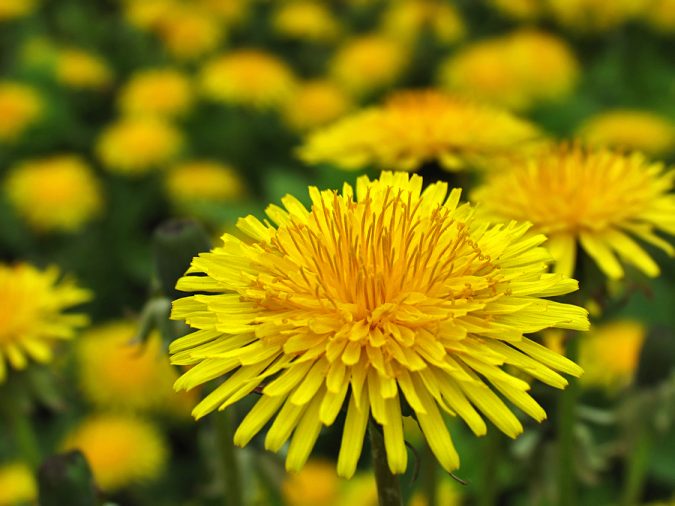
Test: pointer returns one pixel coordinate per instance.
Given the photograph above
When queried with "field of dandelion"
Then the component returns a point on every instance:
(236, 266)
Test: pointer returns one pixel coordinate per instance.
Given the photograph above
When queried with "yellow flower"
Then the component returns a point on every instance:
(446, 494)
(202, 180)
(117, 373)
(361, 490)
(248, 77)
(660, 15)
(12, 9)
(17, 485)
(138, 144)
(368, 63)
(77, 68)
(231, 12)
(32, 318)
(595, 15)
(631, 130)
(166, 92)
(20, 107)
(147, 14)
(376, 293)
(316, 103)
(122, 450)
(316, 484)
(598, 198)
(188, 32)
(408, 19)
(306, 20)
(59, 193)
(609, 353)
(516, 70)
(415, 127)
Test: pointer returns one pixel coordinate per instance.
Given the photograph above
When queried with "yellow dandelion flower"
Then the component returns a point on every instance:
(20, 107)
(77, 68)
(203, 180)
(595, 15)
(122, 450)
(32, 314)
(609, 353)
(446, 494)
(306, 20)
(316, 484)
(231, 12)
(632, 130)
(598, 198)
(361, 490)
(166, 92)
(316, 103)
(375, 294)
(188, 32)
(408, 19)
(147, 14)
(58, 193)
(516, 70)
(12, 9)
(368, 63)
(17, 485)
(138, 144)
(117, 373)
(248, 77)
(661, 15)
(415, 127)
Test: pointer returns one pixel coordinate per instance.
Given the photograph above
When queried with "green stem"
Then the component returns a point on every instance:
(229, 462)
(17, 414)
(636, 466)
(429, 470)
(491, 451)
(567, 407)
(388, 488)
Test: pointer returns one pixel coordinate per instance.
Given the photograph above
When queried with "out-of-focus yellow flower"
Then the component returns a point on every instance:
(597, 198)
(446, 494)
(20, 107)
(595, 15)
(523, 10)
(203, 180)
(361, 490)
(609, 353)
(230, 12)
(157, 91)
(368, 63)
(147, 14)
(77, 68)
(633, 130)
(516, 70)
(306, 20)
(117, 373)
(138, 144)
(248, 77)
(660, 15)
(188, 32)
(408, 19)
(121, 449)
(12, 9)
(315, 484)
(17, 485)
(316, 103)
(58, 193)
(32, 314)
(415, 127)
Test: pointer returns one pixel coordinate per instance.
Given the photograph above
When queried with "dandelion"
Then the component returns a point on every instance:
(660, 15)
(58, 193)
(138, 144)
(32, 314)
(631, 130)
(203, 181)
(17, 484)
(248, 77)
(230, 12)
(316, 103)
(407, 20)
(599, 199)
(13, 9)
(306, 20)
(122, 450)
(517, 70)
(315, 484)
(164, 92)
(147, 14)
(374, 295)
(595, 15)
(20, 107)
(77, 68)
(416, 127)
(188, 32)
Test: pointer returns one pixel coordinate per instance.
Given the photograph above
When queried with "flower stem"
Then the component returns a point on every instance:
(429, 476)
(491, 450)
(636, 466)
(567, 407)
(229, 462)
(388, 488)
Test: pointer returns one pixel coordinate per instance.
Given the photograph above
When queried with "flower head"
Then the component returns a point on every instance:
(248, 77)
(202, 180)
(187, 31)
(632, 130)
(32, 314)
(516, 70)
(165, 92)
(138, 144)
(598, 198)
(58, 193)
(306, 20)
(12, 9)
(315, 484)
(595, 15)
(17, 484)
(20, 107)
(121, 449)
(377, 294)
(409, 19)
(77, 68)
(316, 103)
(415, 127)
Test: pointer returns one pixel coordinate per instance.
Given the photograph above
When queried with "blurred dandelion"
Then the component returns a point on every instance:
(20, 107)
(376, 293)
(316, 103)
(315, 484)
(12, 9)
(17, 484)
(408, 20)
(306, 20)
(77, 68)
(165, 92)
